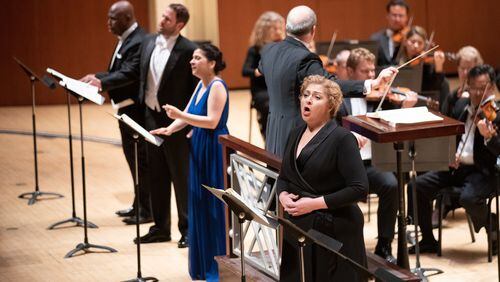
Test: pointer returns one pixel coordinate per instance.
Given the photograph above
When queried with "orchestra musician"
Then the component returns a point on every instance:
(270, 27)
(467, 58)
(477, 153)
(390, 38)
(433, 78)
(360, 66)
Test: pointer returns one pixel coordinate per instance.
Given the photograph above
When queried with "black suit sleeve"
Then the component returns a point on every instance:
(351, 168)
(127, 74)
(312, 65)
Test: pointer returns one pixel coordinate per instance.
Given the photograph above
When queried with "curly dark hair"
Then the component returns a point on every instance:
(213, 54)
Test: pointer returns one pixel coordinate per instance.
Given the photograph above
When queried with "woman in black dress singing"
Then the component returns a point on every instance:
(321, 179)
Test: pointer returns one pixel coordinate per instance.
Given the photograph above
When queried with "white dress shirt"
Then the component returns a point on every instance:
(159, 59)
(467, 156)
(359, 107)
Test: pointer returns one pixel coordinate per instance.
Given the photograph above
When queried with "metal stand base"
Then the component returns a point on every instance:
(85, 247)
(34, 195)
(420, 272)
(141, 279)
(75, 219)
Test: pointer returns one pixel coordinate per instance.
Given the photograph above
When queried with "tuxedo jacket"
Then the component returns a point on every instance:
(177, 82)
(285, 65)
(121, 80)
(485, 155)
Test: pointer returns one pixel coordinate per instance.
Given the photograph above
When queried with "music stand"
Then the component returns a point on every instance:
(82, 92)
(73, 218)
(138, 130)
(315, 237)
(50, 84)
(244, 212)
(383, 133)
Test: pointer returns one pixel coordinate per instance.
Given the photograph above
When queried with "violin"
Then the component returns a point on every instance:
(328, 64)
(429, 58)
(489, 110)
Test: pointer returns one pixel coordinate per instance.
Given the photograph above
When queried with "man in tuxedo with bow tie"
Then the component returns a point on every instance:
(122, 85)
(166, 78)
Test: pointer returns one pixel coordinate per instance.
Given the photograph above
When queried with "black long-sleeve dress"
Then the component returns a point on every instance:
(258, 88)
(329, 165)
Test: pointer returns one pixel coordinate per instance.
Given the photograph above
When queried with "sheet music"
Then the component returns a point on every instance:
(260, 217)
(405, 116)
(155, 140)
(83, 89)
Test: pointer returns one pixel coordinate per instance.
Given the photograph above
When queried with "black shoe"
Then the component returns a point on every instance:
(425, 248)
(384, 251)
(183, 242)
(154, 237)
(142, 219)
(126, 212)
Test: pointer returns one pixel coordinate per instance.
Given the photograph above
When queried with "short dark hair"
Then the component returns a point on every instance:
(181, 12)
(401, 3)
(213, 54)
(480, 70)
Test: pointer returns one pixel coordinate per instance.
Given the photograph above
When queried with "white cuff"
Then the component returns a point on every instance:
(367, 89)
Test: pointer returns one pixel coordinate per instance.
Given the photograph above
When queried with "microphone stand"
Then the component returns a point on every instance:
(73, 218)
(37, 193)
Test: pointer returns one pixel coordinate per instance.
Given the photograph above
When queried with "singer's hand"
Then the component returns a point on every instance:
(172, 111)
(161, 131)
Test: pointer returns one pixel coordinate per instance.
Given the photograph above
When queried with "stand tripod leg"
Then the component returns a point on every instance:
(420, 272)
(77, 220)
(85, 248)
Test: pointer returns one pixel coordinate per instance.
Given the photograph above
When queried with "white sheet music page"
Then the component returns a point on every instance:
(83, 89)
(155, 140)
(397, 117)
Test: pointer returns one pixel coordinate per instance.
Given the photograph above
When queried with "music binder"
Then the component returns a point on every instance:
(416, 115)
(85, 90)
(155, 140)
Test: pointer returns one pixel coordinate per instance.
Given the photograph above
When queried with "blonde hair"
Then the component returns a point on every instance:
(357, 56)
(261, 33)
(469, 53)
(332, 91)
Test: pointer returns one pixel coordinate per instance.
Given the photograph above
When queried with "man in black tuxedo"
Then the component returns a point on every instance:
(123, 88)
(474, 173)
(285, 65)
(166, 78)
(397, 20)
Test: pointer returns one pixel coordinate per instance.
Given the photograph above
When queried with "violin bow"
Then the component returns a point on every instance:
(473, 124)
(330, 47)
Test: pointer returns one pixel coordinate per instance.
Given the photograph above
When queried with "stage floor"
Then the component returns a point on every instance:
(30, 252)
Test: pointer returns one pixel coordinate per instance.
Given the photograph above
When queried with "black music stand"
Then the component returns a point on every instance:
(73, 218)
(315, 237)
(50, 84)
(418, 270)
(244, 212)
(138, 130)
(81, 91)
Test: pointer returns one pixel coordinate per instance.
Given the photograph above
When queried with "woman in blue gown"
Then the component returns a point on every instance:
(207, 113)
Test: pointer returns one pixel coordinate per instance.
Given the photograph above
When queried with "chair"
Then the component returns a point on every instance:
(454, 192)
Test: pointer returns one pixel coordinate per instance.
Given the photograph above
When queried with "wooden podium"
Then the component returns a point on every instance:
(380, 132)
